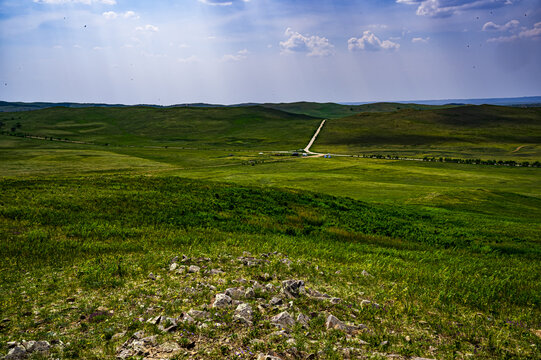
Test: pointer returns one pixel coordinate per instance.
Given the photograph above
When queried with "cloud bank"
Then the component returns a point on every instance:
(312, 45)
(370, 42)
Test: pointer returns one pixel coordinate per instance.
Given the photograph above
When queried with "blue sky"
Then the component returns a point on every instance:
(233, 51)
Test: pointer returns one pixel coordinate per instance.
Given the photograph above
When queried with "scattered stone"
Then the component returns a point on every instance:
(151, 276)
(250, 293)
(118, 335)
(186, 318)
(140, 346)
(338, 272)
(216, 272)
(383, 343)
(269, 287)
(154, 320)
(221, 301)
(244, 313)
(267, 357)
(16, 353)
(25, 349)
(168, 348)
(286, 261)
(275, 301)
(199, 315)
(280, 334)
(303, 320)
(194, 269)
(265, 277)
(283, 320)
(173, 266)
(316, 294)
(336, 301)
(235, 293)
(334, 323)
(291, 342)
(293, 288)
(407, 338)
(257, 286)
(365, 273)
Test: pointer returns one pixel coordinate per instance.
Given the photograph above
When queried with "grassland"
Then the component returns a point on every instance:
(233, 128)
(454, 249)
(487, 132)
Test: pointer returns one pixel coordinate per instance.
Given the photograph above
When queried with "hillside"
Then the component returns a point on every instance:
(333, 110)
(232, 127)
(467, 131)
(120, 258)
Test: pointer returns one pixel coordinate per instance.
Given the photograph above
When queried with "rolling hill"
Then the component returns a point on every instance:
(484, 131)
(209, 127)
(334, 111)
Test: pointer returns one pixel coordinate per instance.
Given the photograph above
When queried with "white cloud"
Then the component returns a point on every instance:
(527, 34)
(313, 45)
(111, 15)
(420, 40)
(240, 55)
(445, 8)
(147, 28)
(216, 3)
(490, 26)
(221, 2)
(190, 59)
(86, 2)
(371, 42)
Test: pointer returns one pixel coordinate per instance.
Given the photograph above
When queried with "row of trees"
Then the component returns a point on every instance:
(484, 162)
(460, 161)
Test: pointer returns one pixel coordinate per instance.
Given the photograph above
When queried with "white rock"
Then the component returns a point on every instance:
(235, 293)
(221, 301)
(16, 353)
(244, 313)
(303, 320)
(283, 320)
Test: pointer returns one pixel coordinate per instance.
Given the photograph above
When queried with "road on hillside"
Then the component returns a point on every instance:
(307, 148)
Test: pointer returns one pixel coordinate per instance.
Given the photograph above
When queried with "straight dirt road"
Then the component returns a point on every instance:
(307, 148)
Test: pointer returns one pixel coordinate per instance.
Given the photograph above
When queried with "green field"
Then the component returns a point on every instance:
(452, 249)
(487, 132)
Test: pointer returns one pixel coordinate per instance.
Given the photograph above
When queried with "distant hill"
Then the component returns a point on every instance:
(514, 101)
(334, 111)
(211, 127)
(485, 131)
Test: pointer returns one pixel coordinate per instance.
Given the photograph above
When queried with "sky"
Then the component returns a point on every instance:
(238, 51)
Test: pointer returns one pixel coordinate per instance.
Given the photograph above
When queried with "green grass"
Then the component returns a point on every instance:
(454, 248)
(96, 239)
(487, 132)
